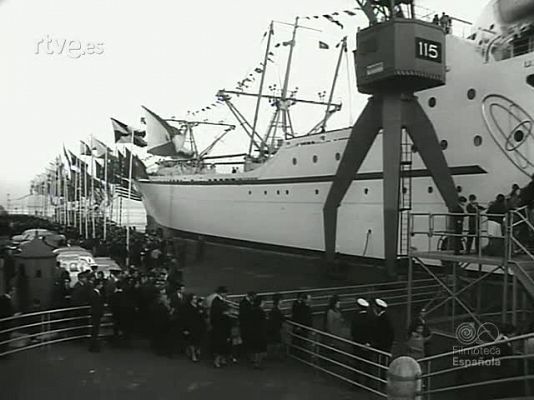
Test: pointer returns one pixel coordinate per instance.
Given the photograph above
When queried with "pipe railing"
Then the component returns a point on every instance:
(447, 377)
(36, 329)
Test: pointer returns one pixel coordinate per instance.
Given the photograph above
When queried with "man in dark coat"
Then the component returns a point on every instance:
(301, 310)
(6, 310)
(245, 308)
(122, 306)
(458, 224)
(383, 332)
(473, 209)
(97, 310)
(361, 333)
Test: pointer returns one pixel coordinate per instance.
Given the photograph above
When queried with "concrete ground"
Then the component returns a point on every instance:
(242, 269)
(68, 371)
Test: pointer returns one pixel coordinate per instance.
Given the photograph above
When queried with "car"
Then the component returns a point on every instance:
(74, 260)
(30, 234)
(107, 266)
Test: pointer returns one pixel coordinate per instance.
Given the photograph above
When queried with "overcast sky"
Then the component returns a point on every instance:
(169, 55)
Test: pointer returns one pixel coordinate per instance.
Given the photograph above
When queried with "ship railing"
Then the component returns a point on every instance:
(506, 364)
(43, 328)
(459, 27)
(394, 293)
(437, 228)
(507, 239)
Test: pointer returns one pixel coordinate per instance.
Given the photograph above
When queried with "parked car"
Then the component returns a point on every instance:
(74, 260)
(29, 234)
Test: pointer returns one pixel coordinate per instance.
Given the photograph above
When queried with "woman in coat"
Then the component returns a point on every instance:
(221, 333)
(258, 332)
(194, 325)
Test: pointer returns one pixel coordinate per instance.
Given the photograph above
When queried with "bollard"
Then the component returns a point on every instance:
(404, 379)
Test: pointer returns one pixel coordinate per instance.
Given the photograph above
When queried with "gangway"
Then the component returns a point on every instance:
(506, 256)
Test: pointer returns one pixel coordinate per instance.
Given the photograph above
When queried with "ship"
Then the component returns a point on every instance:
(482, 116)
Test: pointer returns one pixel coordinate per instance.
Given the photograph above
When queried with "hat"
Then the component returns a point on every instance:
(362, 302)
(381, 303)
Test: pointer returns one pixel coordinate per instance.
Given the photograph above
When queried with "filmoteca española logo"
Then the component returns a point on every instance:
(468, 334)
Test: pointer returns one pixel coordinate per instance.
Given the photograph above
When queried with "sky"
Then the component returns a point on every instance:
(171, 56)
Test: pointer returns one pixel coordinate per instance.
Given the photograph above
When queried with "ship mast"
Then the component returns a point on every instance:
(283, 104)
(260, 91)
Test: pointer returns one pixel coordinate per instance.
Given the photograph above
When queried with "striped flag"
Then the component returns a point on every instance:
(123, 133)
(121, 191)
(100, 148)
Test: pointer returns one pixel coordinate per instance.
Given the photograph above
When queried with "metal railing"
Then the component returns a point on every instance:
(394, 293)
(43, 328)
(443, 373)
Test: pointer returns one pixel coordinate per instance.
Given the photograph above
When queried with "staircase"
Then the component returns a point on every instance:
(523, 265)
(405, 195)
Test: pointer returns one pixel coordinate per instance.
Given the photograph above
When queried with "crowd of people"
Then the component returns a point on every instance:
(495, 216)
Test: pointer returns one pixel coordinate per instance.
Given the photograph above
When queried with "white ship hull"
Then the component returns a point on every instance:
(281, 203)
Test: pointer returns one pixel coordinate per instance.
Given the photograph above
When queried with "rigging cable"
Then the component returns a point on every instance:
(351, 116)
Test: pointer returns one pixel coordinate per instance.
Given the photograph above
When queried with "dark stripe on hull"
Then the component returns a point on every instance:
(263, 246)
(366, 176)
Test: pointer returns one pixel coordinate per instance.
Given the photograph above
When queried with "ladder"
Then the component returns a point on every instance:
(405, 195)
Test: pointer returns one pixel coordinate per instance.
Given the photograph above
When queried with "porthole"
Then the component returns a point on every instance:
(444, 144)
(366, 191)
(287, 191)
(294, 161)
(265, 192)
(315, 158)
(316, 191)
(432, 102)
(519, 135)
(414, 148)
(471, 94)
(338, 156)
(491, 27)
(430, 189)
(404, 190)
(250, 192)
(278, 192)
(530, 80)
(459, 189)
(477, 140)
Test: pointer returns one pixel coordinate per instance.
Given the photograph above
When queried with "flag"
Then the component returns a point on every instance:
(123, 134)
(323, 45)
(121, 191)
(288, 43)
(100, 171)
(99, 147)
(351, 13)
(85, 150)
(138, 167)
(163, 139)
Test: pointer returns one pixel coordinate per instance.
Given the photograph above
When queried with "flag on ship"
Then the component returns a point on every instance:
(323, 45)
(123, 133)
(164, 139)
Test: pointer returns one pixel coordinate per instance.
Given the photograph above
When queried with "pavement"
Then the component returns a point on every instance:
(68, 371)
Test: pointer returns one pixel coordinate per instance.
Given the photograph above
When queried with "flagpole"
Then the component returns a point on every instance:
(85, 204)
(129, 201)
(105, 193)
(66, 197)
(77, 196)
(92, 198)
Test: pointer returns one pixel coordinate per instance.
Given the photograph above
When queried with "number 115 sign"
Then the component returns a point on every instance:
(428, 50)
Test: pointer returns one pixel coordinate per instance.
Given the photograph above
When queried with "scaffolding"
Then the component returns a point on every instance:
(502, 259)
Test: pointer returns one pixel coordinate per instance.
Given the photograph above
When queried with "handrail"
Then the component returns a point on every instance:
(505, 341)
